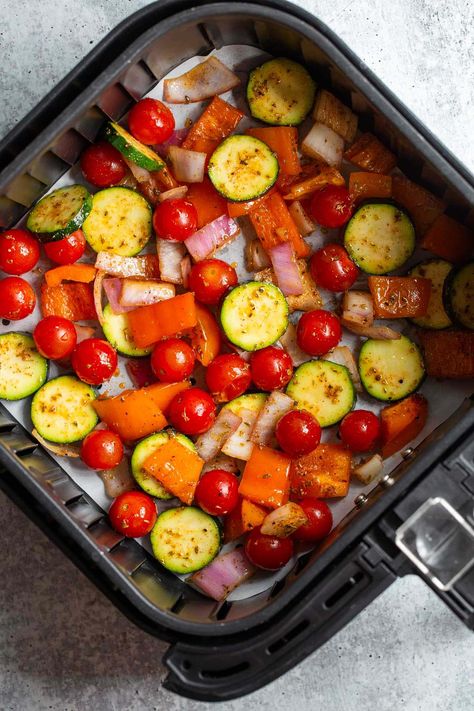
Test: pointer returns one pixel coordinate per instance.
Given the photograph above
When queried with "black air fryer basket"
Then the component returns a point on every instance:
(223, 650)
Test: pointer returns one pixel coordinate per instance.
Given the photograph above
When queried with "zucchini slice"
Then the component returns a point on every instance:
(22, 369)
(436, 270)
(379, 237)
(131, 149)
(119, 222)
(142, 451)
(391, 370)
(324, 389)
(243, 168)
(115, 328)
(185, 539)
(280, 92)
(61, 410)
(459, 295)
(61, 212)
(254, 315)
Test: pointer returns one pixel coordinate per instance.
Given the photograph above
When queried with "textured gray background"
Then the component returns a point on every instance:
(62, 645)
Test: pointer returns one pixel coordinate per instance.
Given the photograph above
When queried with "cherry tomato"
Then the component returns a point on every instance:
(318, 332)
(268, 552)
(94, 361)
(360, 430)
(271, 368)
(319, 522)
(150, 121)
(17, 298)
(19, 251)
(210, 279)
(227, 377)
(217, 492)
(55, 337)
(175, 219)
(103, 165)
(333, 269)
(298, 433)
(332, 206)
(102, 449)
(133, 514)
(192, 411)
(67, 250)
(172, 360)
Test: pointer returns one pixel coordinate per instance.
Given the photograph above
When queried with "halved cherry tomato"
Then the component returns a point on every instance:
(268, 552)
(103, 165)
(319, 522)
(19, 251)
(217, 492)
(175, 219)
(333, 269)
(227, 377)
(133, 514)
(318, 332)
(271, 368)
(94, 361)
(192, 411)
(210, 279)
(17, 298)
(150, 121)
(172, 360)
(360, 430)
(55, 337)
(67, 250)
(102, 449)
(298, 433)
(332, 206)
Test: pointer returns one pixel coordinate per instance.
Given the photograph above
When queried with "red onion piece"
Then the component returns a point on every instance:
(302, 220)
(173, 194)
(118, 480)
(176, 139)
(115, 265)
(188, 166)
(323, 143)
(283, 521)
(222, 461)
(211, 237)
(368, 470)
(185, 266)
(113, 289)
(224, 574)
(143, 292)
(209, 444)
(276, 405)
(207, 79)
(61, 450)
(140, 174)
(381, 333)
(290, 344)
(140, 372)
(358, 306)
(170, 255)
(256, 257)
(342, 355)
(286, 269)
(239, 445)
(83, 332)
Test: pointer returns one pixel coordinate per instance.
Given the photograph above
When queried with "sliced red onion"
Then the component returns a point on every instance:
(170, 255)
(302, 220)
(286, 269)
(83, 332)
(323, 142)
(342, 355)
(276, 405)
(143, 292)
(368, 470)
(221, 461)
(140, 174)
(61, 450)
(224, 574)
(211, 237)
(290, 344)
(113, 289)
(185, 266)
(140, 372)
(176, 139)
(118, 480)
(173, 194)
(358, 306)
(207, 79)
(282, 522)
(115, 265)
(239, 445)
(188, 166)
(256, 257)
(382, 333)
(209, 444)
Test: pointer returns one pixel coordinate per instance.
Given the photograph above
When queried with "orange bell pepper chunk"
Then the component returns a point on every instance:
(217, 121)
(84, 273)
(149, 324)
(369, 185)
(207, 201)
(205, 337)
(242, 519)
(266, 478)
(238, 209)
(176, 467)
(449, 239)
(370, 154)
(402, 422)
(422, 206)
(400, 297)
(283, 140)
(74, 301)
(323, 473)
(274, 225)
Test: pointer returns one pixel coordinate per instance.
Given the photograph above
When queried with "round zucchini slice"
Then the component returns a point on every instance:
(61, 410)
(436, 270)
(459, 295)
(391, 370)
(142, 451)
(324, 389)
(251, 401)
(379, 237)
(254, 315)
(61, 212)
(243, 168)
(131, 149)
(22, 369)
(115, 328)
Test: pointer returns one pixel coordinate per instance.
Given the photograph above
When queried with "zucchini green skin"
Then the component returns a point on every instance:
(115, 328)
(280, 92)
(324, 389)
(379, 237)
(185, 539)
(131, 149)
(437, 271)
(254, 315)
(59, 213)
(142, 451)
(250, 401)
(458, 295)
(23, 370)
(61, 410)
(391, 370)
(243, 168)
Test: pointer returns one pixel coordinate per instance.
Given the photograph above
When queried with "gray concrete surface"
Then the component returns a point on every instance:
(62, 645)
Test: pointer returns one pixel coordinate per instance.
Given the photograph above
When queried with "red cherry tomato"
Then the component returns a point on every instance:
(268, 552)
(103, 165)
(217, 492)
(227, 377)
(319, 522)
(17, 298)
(333, 269)
(318, 332)
(94, 361)
(332, 206)
(172, 360)
(150, 122)
(102, 449)
(67, 250)
(192, 411)
(360, 430)
(210, 279)
(175, 219)
(19, 251)
(271, 368)
(133, 514)
(298, 433)
(55, 337)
